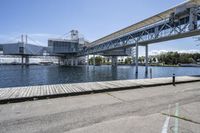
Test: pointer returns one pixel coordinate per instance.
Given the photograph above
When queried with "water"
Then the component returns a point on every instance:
(14, 75)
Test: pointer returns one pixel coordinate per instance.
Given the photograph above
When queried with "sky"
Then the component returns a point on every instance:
(43, 19)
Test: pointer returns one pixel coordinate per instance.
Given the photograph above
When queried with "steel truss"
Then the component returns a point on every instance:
(161, 31)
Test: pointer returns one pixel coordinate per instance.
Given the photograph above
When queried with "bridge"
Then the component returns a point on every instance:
(178, 22)
(23, 49)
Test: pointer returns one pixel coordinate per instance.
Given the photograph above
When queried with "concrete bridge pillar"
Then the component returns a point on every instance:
(114, 60)
(61, 61)
(71, 62)
(67, 62)
(27, 60)
(146, 59)
(24, 60)
(76, 61)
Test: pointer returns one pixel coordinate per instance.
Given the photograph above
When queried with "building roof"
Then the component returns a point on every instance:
(62, 40)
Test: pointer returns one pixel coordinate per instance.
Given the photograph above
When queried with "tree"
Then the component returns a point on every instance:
(141, 59)
(128, 61)
(154, 60)
(98, 60)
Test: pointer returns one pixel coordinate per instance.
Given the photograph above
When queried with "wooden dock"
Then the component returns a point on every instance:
(16, 94)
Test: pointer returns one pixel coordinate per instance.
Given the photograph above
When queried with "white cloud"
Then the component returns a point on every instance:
(42, 35)
(189, 51)
(156, 52)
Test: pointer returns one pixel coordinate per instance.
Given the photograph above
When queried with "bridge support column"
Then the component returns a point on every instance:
(146, 59)
(72, 62)
(76, 61)
(114, 60)
(24, 60)
(27, 60)
(61, 61)
(94, 63)
(87, 60)
(136, 58)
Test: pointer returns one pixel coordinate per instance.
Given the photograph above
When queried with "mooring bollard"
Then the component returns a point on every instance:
(150, 73)
(173, 79)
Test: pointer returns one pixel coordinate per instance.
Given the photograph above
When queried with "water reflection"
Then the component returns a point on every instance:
(38, 75)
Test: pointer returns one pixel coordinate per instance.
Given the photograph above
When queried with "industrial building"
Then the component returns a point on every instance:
(68, 49)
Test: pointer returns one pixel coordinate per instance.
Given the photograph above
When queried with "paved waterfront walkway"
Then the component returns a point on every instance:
(128, 111)
(15, 94)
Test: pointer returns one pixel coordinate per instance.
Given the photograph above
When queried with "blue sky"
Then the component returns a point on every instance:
(43, 19)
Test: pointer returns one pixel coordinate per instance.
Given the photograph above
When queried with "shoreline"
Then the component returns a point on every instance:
(20, 94)
(188, 65)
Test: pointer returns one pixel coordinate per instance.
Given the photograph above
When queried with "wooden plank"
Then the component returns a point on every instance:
(77, 88)
(38, 91)
(15, 90)
(93, 86)
(7, 91)
(48, 90)
(1, 91)
(9, 94)
(56, 87)
(22, 91)
(65, 86)
(44, 90)
(25, 92)
(69, 88)
(61, 91)
(19, 90)
(84, 87)
(31, 91)
(53, 89)
(28, 92)
(64, 89)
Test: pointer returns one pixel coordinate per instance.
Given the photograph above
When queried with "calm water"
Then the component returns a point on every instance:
(11, 75)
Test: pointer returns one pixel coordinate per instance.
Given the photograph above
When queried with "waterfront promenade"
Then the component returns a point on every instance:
(16, 94)
(143, 110)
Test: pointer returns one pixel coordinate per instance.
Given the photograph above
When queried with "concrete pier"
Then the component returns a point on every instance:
(114, 60)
